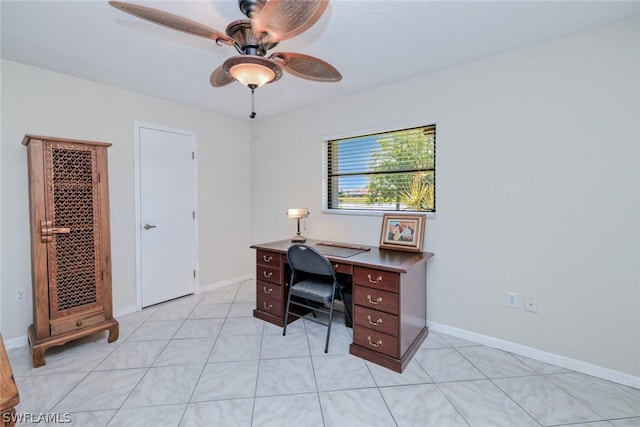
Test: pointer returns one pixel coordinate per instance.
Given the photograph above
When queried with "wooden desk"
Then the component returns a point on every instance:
(389, 298)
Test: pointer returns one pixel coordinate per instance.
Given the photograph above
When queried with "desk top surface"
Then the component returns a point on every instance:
(357, 255)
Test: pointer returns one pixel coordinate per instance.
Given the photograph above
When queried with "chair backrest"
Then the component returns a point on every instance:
(309, 260)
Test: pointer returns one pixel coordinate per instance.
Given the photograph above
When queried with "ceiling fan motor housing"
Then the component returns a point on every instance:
(247, 41)
(251, 7)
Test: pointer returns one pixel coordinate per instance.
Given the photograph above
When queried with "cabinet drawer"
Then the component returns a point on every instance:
(376, 320)
(269, 305)
(74, 323)
(384, 280)
(270, 259)
(378, 341)
(269, 290)
(376, 299)
(269, 274)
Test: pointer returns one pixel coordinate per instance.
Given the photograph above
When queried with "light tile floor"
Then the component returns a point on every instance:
(203, 360)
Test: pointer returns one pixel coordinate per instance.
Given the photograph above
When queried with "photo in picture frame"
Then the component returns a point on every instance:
(402, 232)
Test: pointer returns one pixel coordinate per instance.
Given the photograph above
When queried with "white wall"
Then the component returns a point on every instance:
(538, 190)
(41, 102)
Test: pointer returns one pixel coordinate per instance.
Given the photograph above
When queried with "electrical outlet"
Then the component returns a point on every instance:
(512, 299)
(21, 295)
(531, 304)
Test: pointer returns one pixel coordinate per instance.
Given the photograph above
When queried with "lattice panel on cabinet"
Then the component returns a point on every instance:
(72, 196)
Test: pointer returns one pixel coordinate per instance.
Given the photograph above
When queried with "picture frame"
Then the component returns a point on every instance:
(402, 232)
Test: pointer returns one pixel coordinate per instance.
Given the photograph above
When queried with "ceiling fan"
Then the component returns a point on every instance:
(268, 23)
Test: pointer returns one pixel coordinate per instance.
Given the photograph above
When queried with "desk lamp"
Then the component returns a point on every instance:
(298, 214)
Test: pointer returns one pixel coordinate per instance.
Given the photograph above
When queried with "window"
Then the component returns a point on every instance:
(388, 171)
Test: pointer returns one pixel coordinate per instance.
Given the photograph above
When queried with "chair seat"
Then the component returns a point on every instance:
(314, 289)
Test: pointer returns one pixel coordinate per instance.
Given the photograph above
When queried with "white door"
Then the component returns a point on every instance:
(167, 243)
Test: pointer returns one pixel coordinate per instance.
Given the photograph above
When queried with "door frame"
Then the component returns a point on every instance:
(138, 208)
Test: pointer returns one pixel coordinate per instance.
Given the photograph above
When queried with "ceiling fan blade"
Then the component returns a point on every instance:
(172, 21)
(307, 67)
(219, 78)
(283, 19)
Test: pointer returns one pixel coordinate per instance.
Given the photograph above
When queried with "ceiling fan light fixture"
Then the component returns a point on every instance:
(252, 70)
(252, 74)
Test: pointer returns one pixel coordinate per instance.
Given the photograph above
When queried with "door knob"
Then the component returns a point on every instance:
(148, 227)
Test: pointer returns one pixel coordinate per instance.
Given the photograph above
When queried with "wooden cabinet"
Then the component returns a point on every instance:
(70, 242)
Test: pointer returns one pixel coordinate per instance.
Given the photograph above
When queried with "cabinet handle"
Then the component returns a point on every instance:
(378, 279)
(46, 231)
(79, 323)
(376, 323)
(337, 266)
(267, 307)
(374, 344)
(267, 291)
(267, 259)
(59, 230)
(267, 275)
(376, 302)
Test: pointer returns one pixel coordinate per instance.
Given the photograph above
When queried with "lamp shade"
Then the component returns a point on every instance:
(297, 213)
(252, 70)
(255, 74)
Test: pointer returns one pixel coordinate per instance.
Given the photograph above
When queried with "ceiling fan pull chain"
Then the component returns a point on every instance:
(253, 101)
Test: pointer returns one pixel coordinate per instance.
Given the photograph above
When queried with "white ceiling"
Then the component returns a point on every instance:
(370, 42)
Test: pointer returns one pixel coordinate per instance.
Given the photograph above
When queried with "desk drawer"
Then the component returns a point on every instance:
(377, 341)
(379, 279)
(269, 305)
(376, 320)
(269, 290)
(376, 299)
(342, 268)
(269, 259)
(269, 274)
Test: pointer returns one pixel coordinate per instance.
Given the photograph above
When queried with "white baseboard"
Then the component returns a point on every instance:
(124, 311)
(23, 340)
(16, 342)
(223, 283)
(542, 356)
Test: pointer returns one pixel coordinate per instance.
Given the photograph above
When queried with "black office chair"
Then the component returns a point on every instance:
(314, 283)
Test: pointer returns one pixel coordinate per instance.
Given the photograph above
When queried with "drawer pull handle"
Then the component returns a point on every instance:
(376, 323)
(376, 302)
(267, 307)
(374, 344)
(79, 323)
(267, 291)
(267, 259)
(267, 274)
(378, 279)
(337, 266)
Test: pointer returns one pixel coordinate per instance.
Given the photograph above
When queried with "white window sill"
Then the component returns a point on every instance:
(430, 215)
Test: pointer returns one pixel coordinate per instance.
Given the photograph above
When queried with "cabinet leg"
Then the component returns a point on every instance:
(37, 351)
(114, 331)
(38, 357)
